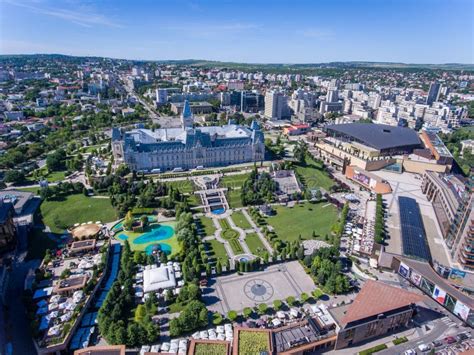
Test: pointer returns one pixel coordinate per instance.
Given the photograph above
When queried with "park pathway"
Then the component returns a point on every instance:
(242, 235)
(259, 232)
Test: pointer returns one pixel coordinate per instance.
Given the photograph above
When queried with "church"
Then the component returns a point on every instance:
(187, 147)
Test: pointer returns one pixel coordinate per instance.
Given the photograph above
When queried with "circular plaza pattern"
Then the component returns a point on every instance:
(258, 290)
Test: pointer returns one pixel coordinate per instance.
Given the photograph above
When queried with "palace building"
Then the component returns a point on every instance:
(187, 147)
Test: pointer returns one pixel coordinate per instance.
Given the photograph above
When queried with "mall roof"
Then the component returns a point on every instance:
(376, 298)
(378, 136)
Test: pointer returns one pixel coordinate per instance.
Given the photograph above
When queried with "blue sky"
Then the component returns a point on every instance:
(259, 31)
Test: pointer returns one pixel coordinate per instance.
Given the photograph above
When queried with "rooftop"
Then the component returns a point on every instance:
(378, 136)
(373, 299)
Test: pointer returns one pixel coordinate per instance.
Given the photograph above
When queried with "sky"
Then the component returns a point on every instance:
(256, 31)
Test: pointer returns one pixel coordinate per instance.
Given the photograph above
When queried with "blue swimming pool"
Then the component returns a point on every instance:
(162, 246)
(157, 232)
(218, 211)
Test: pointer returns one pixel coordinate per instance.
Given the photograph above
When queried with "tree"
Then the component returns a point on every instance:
(140, 313)
(217, 318)
(247, 312)
(262, 308)
(277, 304)
(291, 301)
(300, 152)
(232, 315)
(218, 267)
(304, 297)
(14, 176)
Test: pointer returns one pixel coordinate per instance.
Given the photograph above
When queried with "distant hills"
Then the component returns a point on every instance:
(259, 66)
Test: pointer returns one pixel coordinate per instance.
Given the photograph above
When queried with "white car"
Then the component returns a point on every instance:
(424, 347)
(410, 352)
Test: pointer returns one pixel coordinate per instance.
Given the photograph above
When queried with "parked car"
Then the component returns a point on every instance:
(450, 340)
(409, 352)
(424, 347)
(437, 343)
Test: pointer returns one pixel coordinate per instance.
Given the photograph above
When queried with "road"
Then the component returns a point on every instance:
(131, 92)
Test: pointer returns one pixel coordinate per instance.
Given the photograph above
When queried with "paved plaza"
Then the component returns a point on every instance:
(276, 282)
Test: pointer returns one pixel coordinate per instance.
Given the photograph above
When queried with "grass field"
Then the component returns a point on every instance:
(38, 242)
(227, 231)
(35, 190)
(233, 198)
(53, 176)
(236, 247)
(240, 220)
(255, 244)
(218, 250)
(206, 226)
(182, 185)
(313, 175)
(67, 211)
(303, 219)
(233, 181)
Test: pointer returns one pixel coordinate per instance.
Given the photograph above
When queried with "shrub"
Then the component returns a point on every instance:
(374, 349)
(400, 340)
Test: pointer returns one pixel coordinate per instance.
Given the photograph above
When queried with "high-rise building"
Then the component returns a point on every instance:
(276, 105)
(251, 101)
(433, 94)
(332, 96)
(161, 96)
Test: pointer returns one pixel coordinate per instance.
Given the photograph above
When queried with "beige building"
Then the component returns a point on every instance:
(378, 309)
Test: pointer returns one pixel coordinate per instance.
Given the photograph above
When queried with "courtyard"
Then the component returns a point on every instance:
(276, 282)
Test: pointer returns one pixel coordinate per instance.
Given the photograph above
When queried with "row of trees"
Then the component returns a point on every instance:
(258, 189)
(114, 315)
(379, 220)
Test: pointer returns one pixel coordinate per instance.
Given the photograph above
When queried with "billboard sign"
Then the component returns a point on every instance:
(439, 295)
(415, 278)
(456, 275)
(403, 270)
(461, 310)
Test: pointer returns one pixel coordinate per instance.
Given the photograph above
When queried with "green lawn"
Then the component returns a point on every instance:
(240, 220)
(38, 242)
(236, 247)
(53, 176)
(255, 244)
(206, 226)
(66, 211)
(217, 250)
(172, 242)
(35, 190)
(227, 231)
(313, 175)
(182, 185)
(233, 181)
(233, 198)
(303, 219)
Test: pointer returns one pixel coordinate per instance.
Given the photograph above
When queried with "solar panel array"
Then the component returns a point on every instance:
(414, 240)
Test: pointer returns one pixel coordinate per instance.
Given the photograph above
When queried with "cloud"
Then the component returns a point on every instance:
(81, 18)
(316, 33)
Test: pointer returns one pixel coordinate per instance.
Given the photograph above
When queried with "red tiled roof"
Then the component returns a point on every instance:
(376, 298)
